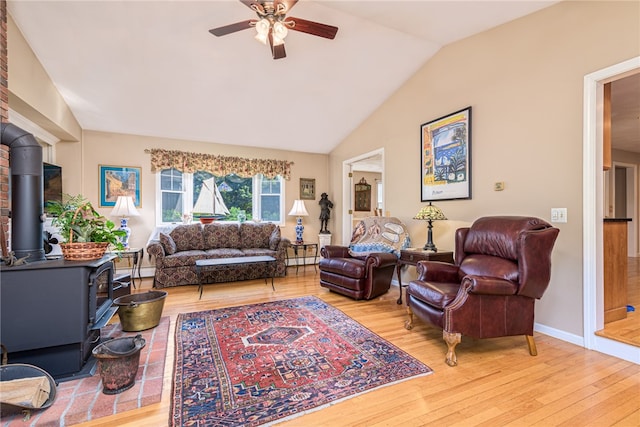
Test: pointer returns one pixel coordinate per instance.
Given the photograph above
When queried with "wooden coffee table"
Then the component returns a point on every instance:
(227, 262)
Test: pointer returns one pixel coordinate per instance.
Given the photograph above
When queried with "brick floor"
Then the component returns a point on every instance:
(82, 399)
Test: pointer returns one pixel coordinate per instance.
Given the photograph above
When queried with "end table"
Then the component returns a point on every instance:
(301, 248)
(135, 255)
(412, 256)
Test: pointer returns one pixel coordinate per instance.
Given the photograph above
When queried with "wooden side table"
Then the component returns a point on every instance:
(412, 256)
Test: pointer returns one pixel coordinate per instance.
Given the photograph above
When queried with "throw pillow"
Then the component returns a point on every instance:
(168, 244)
(274, 239)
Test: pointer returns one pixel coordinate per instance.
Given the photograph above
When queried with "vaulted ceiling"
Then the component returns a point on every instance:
(152, 67)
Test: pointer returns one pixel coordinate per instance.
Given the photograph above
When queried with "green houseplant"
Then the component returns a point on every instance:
(86, 233)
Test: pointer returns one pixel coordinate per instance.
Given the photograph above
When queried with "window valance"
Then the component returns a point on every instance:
(218, 165)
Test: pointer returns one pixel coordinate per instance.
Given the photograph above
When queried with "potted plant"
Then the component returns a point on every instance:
(86, 233)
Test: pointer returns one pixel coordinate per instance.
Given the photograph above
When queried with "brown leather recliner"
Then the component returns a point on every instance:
(502, 265)
(364, 269)
(363, 277)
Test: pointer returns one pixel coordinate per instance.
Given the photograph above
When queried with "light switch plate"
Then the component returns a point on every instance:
(558, 214)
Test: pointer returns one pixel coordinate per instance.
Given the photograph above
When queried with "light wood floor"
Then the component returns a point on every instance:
(496, 382)
(628, 330)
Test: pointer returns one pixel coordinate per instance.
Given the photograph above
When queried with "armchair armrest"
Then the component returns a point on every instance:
(437, 271)
(381, 259)
(488, 286)
(335, 251)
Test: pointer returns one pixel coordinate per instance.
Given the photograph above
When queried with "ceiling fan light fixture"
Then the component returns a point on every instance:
(262, 30)
(262, 38)
(280, 31)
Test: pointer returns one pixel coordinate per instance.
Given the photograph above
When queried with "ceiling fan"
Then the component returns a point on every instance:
(273, 25)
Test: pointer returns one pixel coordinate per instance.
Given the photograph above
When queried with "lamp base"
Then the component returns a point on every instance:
(299, 231)
(124, 227)
(430, 247)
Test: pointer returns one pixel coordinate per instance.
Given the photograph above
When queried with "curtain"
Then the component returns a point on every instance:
(218, 165)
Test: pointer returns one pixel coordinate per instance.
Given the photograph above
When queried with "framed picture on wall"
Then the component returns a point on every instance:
(445, 157)
(307, 189)
(119, 181)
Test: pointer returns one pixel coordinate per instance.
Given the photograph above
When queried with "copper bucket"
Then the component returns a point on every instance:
(141, 311)
(118, 361)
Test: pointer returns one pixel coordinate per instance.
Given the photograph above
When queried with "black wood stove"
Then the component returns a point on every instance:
(51, 313)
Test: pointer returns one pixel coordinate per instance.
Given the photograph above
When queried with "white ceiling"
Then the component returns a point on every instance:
(152, 68)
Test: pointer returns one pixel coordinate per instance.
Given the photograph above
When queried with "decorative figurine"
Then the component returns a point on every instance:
(325, 212)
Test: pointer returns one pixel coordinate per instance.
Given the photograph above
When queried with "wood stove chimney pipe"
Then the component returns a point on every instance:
(27, 211)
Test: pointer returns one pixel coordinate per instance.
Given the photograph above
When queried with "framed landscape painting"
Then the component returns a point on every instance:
(119, 181)
(307, 189)
(445, 157)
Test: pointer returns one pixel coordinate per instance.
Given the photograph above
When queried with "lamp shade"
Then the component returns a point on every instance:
(125, 207)
(298, 209)
(430, 212)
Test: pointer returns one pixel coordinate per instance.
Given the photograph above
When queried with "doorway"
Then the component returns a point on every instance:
(593, 209)
(373, 161)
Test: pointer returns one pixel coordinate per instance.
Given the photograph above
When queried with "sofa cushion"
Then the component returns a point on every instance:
(188, 237)
(221, 235)
(274, 239)
(223, 253)
(259, 252)
(168, 244)
(255, 235)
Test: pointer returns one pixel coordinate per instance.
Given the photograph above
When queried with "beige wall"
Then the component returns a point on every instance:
(32, 93)
(524, 81)
(100, 148)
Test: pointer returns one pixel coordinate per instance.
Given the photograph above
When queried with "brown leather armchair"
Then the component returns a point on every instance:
(364, 277)
(502, 265)
(364, 269)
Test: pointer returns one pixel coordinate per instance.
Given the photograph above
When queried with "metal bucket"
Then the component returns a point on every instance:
(118, 361)
(138, 312)
(16, 371)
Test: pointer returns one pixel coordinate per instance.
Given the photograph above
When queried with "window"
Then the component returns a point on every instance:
(191, 194)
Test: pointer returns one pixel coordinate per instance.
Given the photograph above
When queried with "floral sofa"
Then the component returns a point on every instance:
(176, 252)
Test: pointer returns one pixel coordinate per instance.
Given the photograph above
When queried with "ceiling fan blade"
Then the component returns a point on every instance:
(232, 28)
(288, 4)
(277, 51)
(248, 3)
(315, 28)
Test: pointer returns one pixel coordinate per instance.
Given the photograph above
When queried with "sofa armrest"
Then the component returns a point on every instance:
(335, 251)
(155, 249)
(488, 286)
(437, 271)
(284, 243)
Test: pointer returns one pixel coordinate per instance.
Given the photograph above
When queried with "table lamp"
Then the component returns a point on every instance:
(430, 213)
(299, 210)
(125, 208)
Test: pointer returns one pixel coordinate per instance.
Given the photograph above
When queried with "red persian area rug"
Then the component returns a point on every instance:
(261, 363)
(82, 400)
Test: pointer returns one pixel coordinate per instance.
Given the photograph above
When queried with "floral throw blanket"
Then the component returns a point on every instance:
(379, 234)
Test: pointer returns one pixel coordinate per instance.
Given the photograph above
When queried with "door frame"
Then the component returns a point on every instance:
(593, 208)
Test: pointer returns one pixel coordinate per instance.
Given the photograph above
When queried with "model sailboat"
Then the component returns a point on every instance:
(210, 204)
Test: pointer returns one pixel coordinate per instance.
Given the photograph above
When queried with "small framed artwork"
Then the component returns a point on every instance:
(362, 196)
(307, 189)
(445, 157)
(119, 181)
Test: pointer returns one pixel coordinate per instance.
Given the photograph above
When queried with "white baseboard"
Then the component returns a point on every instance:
(559, 334)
